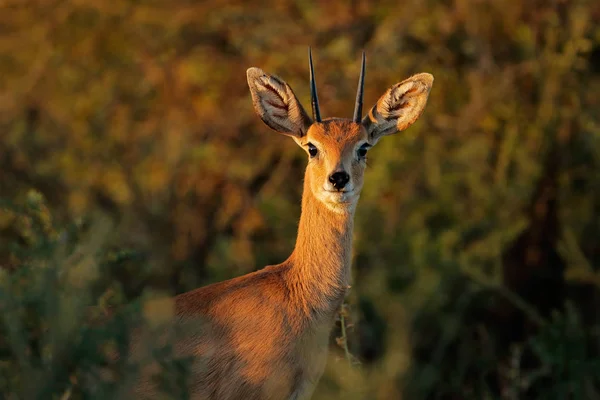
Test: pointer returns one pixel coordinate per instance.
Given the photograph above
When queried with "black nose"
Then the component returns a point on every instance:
(339, 179)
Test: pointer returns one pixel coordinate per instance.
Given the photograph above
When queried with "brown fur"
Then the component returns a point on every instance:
(265, 335)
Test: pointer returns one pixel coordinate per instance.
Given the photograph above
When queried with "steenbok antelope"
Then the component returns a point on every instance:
(265, 335)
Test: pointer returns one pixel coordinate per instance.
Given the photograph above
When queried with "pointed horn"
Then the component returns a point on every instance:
(314, 99)
(359, 92)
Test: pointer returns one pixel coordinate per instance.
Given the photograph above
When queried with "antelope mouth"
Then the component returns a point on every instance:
(339, 196)
(339, 191)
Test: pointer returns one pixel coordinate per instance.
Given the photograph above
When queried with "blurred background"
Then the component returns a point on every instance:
(133, 167)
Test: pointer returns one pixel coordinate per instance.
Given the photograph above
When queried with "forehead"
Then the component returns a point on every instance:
(336, 132)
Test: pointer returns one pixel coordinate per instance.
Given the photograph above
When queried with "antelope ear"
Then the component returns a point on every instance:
(399, 107)
(276, 104)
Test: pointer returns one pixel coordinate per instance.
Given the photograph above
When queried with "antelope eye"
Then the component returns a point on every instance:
(312, 150)
(362, 151)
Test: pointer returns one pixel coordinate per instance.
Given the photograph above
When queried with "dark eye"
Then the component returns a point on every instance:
(362, 151)
(312, 150)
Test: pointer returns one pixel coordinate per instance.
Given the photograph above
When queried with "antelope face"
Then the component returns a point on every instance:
(336, 147)
(337, 155)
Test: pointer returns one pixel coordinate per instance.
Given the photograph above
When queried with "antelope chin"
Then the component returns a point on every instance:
(339, 201)
(339, 197)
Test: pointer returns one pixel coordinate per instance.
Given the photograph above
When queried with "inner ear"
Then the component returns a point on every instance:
(399, 107)
(276, 104)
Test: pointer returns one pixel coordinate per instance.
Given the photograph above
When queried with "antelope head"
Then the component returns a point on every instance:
(337, 147)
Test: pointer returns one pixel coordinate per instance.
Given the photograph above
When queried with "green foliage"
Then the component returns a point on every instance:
(476, 251)
(56, 333)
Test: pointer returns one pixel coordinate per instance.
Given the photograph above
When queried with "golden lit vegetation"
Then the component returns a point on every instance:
(132, 166)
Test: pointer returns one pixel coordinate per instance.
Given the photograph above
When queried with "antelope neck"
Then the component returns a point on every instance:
(321, 260)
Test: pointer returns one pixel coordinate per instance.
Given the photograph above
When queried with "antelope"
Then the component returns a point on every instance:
(265, 335)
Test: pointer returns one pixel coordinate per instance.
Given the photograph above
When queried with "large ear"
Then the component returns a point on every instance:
(399, 107)
(276, 104)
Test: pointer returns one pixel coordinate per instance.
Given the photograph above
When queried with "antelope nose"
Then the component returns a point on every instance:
(339, 179)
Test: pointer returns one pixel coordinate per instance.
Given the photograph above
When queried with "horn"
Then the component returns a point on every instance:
(313, 90)
(359, 92)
